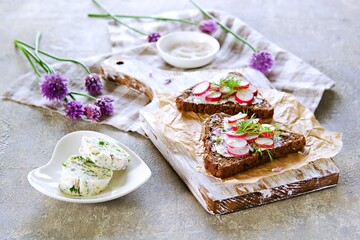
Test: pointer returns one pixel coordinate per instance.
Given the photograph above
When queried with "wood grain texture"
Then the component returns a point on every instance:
(215, 195)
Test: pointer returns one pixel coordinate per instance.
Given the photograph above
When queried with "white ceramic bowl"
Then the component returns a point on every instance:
(195, 40)
(46, 179)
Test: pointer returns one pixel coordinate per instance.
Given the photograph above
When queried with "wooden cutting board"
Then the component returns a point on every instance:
(216, 196)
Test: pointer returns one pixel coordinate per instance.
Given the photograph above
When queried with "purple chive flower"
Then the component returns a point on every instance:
(93, 84)
(262, 61)
(93, 112)
(74, 109)
(153, 37)
(105, 105)
(54, 86)
(207, 26)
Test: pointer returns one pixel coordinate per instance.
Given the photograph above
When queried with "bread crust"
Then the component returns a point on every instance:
(224, 167)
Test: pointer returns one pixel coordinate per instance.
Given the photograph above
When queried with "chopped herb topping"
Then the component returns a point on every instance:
(73, 189)
(101, 142)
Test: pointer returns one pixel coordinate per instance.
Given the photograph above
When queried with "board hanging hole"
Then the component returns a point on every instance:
(120, 63)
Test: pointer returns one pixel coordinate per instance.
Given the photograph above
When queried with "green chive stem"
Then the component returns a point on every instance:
(30, 61)
(55, 57)
(100, 15)
(117, 19)
(37, 43)
(82, 94)
(223, 26)
(29, 54)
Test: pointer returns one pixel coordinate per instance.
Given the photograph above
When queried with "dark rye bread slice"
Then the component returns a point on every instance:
(224, 167)
(262, 110)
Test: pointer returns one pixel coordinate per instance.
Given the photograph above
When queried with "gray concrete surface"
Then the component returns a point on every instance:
(325, 33)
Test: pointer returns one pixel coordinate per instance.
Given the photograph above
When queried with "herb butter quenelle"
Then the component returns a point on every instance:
(90, 172)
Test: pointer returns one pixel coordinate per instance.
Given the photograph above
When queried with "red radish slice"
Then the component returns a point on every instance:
(234, 128)
(225, 89)
(239, 152)
(251, 137)
(253, 89)
(270, 130)
(264, 142)
(236, 143)
(201, 88)
(233, 134)
(213, 96)
(242, 85)
(267, 134)
(214, 87)
(237, 117)
(244, 96)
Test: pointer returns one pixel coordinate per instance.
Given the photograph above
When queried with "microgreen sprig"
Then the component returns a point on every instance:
(231, 81)
(248, 126)
(252, 126)
(260, 152)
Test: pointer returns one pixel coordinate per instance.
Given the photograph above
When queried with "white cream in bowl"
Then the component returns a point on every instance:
(188, 49)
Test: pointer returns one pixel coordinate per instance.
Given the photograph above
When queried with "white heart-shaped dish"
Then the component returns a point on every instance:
(45, 179)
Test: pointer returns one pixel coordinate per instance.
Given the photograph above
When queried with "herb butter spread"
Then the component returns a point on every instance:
(83, 178)
(190, 50)
(103, 153)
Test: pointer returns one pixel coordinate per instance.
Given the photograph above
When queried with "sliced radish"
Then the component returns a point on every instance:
(201, 88)
(270, 130)
(234, 128)
(237, 117)
(225, 89)
(242, 85)
(233, 134)
(214, 87)
(239, 152)
(267, 134)
(236, 143)
(264, 142)
(251, 137)
(244, 96)
(253, 89)
(213, 96)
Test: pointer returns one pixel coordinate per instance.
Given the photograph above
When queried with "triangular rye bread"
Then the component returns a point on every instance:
(231, 94)
(225, 152)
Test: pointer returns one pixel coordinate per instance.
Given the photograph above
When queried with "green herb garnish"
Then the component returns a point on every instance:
(248, 126)
(74, 189)
(270, 155)
(231, 81)
(101, 142)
